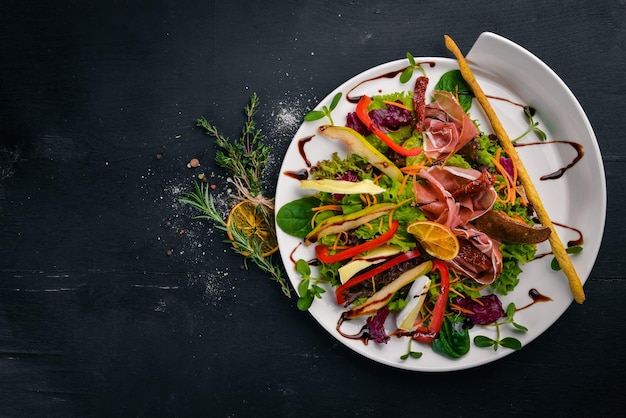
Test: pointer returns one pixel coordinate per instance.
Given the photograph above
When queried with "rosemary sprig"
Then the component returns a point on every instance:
(202, 200)
(246, 156)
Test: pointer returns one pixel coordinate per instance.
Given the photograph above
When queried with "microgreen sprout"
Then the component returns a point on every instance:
(570, 250)
(408, 71)
(507, 342)
(308, 289)
(326, 111)
(533, 126)
(410, 353)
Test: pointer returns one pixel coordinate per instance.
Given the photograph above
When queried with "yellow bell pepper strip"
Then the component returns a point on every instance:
(363, 115)
(322, 250)
(430, 333)
(339, 292)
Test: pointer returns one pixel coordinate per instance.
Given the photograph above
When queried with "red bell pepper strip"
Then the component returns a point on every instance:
(363, 115)
(428, 334)
(372, 272)
(322, 250)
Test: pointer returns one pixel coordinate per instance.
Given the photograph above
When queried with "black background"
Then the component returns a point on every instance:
(96, 319)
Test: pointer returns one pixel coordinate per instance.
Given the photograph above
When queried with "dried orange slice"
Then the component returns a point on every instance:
(437, 240)
(255, 224)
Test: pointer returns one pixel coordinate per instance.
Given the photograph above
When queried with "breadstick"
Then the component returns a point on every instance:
(558, 249)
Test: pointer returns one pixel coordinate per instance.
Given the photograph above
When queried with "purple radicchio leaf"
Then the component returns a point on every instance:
(391, 117)
(388, 118)
(484, 311)
(507, 164)
(349, 176)
(376, 326)
(353, 122)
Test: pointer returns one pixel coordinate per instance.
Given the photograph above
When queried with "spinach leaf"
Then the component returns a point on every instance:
(454, 82)
(453, 338)
(294, 218)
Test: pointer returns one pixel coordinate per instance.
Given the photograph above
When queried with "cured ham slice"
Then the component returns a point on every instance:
(454, 196)
(479, 255)
(436, 202)
(447, 128)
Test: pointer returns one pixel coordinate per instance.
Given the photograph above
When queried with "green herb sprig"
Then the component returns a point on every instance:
(406, 75)
(326, 111)
(245, 159)
(308, 289)
(533, 126)
(202, 200)
(410, 353)
(507, 342)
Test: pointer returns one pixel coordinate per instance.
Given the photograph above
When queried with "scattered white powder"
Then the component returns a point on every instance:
(280, 124)
(186, 239)
(284, 119)
(216, 285)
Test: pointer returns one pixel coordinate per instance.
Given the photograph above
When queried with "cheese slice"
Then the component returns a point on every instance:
(407, 316)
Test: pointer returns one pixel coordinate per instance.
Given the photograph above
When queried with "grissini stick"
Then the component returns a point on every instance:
(558, 249)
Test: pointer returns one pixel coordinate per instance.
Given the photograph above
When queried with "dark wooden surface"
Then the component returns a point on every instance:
(96, 319)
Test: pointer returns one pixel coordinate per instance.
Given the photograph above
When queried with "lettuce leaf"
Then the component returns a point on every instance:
(337, 166)
(512, 256)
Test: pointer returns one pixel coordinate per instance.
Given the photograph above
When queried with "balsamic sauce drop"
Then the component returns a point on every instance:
(301, 143)
(363, 335)
(536, 298)
(559, 173)
(302, 174)
(298, 175)
(579, 241)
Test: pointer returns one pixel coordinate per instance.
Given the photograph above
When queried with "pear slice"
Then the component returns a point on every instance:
(381, 298)
(357, 144)
(342, 223)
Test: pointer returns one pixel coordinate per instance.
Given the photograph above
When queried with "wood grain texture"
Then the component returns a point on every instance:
(96, 319)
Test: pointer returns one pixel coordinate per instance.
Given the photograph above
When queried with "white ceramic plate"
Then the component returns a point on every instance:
(577, 199)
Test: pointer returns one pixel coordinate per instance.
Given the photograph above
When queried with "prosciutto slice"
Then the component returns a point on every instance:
(435, 200)
(454, 196)
(447, 128)
(479, 255)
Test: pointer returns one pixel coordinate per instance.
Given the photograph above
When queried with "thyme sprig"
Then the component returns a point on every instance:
(202, 200)
(246, 156)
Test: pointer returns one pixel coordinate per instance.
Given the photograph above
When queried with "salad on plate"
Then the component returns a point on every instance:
(419, 224)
